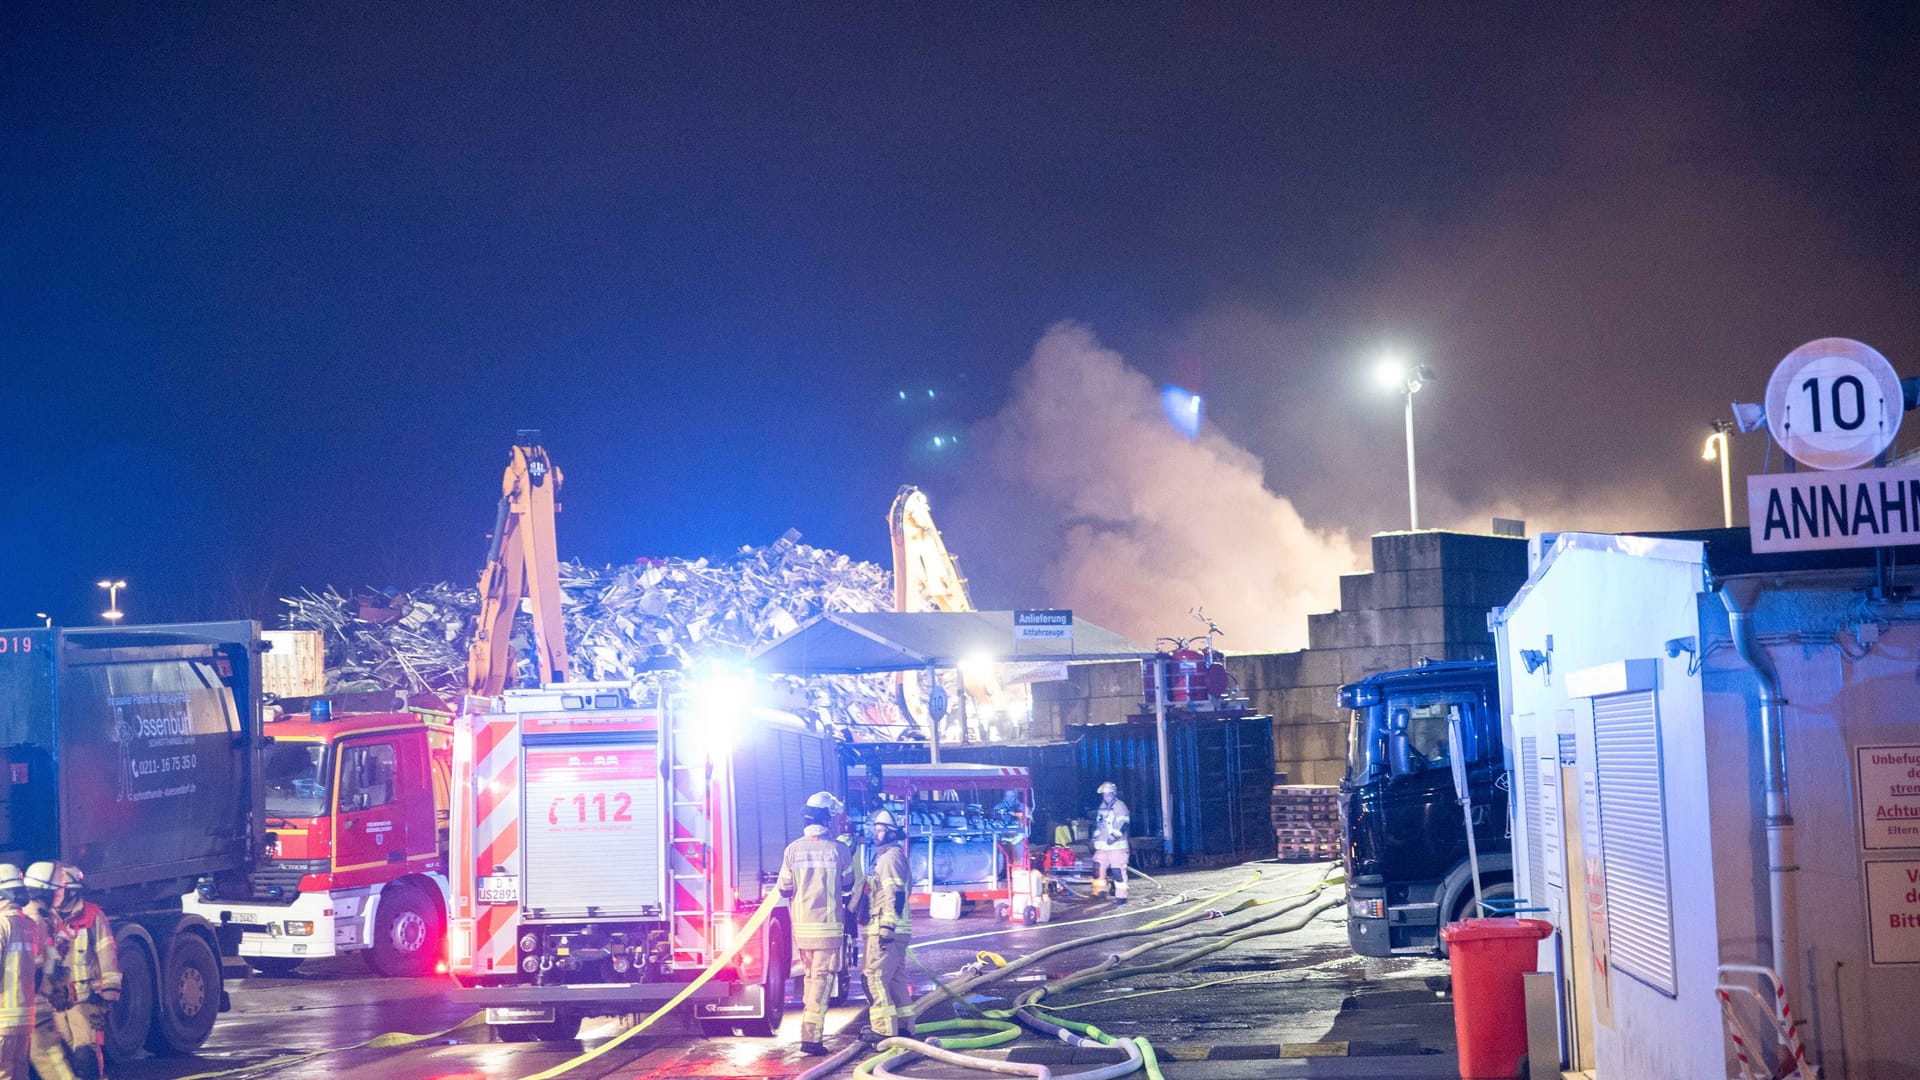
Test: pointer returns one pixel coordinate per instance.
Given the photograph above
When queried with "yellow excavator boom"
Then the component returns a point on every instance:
(521, 561)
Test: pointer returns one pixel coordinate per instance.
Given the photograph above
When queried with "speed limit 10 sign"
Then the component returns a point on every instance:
(1834, 404)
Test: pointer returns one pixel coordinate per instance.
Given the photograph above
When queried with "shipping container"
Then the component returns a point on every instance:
(1221, 777)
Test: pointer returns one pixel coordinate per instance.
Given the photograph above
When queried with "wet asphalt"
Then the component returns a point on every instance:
(1298, 1004)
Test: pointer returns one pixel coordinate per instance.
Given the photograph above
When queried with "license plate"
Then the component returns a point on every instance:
(499, 890)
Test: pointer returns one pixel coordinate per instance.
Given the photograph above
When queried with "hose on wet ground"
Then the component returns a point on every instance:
(740, 939)
(898, 1051)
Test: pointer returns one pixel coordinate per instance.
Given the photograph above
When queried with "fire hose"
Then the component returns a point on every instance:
(897, 1051)
(740, 940)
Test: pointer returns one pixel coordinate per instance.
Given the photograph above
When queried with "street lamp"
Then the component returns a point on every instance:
(1391, 374)
(1716, 450)
(113, 613)
(45, 618)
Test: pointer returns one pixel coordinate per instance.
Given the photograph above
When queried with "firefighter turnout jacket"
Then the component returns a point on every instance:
(22, 960)
(1110, 827)
(887, 892)
(93, 959)
(815, 873)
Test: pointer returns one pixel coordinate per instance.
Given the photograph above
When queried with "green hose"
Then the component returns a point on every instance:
(996, 1033)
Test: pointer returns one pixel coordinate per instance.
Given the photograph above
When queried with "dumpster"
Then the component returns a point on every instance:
(1488, 957)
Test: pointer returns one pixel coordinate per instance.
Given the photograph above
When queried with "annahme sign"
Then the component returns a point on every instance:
(1812, 511)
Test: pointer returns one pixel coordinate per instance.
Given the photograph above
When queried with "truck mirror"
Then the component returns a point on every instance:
(1456, 755)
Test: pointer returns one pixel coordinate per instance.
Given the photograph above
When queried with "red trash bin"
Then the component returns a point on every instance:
(1488, 956)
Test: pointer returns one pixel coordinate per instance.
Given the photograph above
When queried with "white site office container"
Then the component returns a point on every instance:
(1639, 816)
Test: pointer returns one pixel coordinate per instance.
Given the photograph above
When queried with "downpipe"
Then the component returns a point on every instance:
(1740, 598)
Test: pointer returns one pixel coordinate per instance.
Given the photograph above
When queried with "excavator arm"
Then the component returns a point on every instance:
(926, 577)
(521, 561)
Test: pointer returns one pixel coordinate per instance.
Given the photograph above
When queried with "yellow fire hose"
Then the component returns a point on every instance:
(401, 1038)
(740, 939)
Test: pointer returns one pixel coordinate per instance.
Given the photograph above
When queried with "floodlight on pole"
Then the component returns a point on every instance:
(44, 618)
(1392, 374)
(1716, 450)
(113, 614)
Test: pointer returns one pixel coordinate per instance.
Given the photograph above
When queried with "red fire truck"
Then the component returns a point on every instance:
(608, 841)
(356, 820)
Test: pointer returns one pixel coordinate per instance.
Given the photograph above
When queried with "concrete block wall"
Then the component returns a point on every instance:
(1427, 596)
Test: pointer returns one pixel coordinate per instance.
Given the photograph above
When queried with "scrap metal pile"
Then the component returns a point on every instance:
(620, 622)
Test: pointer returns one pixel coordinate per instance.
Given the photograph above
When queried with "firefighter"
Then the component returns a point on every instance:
(48, 1049)
(20, 961)
(1110, 842)
(93, 966)
(888, 929)
(815, 873)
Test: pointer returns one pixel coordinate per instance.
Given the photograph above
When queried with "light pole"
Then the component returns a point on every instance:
(1393, 375)
(45, 618)
(1716, 450)
(113, 613)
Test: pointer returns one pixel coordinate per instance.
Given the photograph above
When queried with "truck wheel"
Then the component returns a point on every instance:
(773, 985)
(131, 1018)
(405, 932)
(1464, 909)
(188, 998)
(278, 967)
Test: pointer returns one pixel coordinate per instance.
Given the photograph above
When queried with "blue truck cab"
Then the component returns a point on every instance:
(1403, 831)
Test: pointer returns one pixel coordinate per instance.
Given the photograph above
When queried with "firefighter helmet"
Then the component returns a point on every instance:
(43, 876)
(10, 878)
(824, 800)
(71, 878)
(887, 819)
(1106, 789)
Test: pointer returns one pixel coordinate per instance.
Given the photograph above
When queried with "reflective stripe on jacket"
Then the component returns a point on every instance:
(814, 873)
(1110, 827)
(887, 891)
(20, 956)
(93, 958)
(53, 953)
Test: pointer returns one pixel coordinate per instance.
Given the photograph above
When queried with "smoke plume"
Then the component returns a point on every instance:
(1126, 521)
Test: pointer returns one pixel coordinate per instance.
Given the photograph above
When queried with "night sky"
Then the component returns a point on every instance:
(278, 282)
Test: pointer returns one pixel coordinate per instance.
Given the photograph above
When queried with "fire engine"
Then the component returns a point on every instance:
(356, 818)
(609, 841)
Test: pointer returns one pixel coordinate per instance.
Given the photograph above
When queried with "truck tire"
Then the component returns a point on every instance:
(406, 930)
(1464, 908)
(131, 1018)
(779, 968)
(278, 967)
(188, 998)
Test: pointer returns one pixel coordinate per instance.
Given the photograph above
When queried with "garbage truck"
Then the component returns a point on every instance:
(129, 752)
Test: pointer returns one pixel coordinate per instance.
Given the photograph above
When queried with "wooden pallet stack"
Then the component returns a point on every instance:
(1306, 821)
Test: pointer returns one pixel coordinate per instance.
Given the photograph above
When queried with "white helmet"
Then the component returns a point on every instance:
(43, 875)
(824, 800)
(1106, 789)
(10, 877)
(887, 818)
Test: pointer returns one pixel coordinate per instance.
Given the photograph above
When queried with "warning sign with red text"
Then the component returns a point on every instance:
(1893, 911)
(1889, 778)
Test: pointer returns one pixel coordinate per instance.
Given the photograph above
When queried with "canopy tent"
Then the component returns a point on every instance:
(871, 642)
